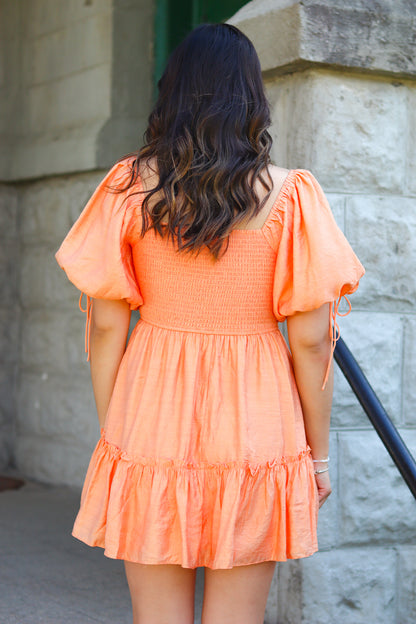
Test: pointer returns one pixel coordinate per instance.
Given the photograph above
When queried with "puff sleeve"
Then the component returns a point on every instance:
(96, 253)
(315, 263)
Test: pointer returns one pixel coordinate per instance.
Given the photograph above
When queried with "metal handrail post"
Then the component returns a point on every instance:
(377, 414)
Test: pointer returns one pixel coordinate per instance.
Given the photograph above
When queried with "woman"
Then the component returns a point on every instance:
(214, 437)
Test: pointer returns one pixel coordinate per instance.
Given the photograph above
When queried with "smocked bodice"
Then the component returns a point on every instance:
(233, 295)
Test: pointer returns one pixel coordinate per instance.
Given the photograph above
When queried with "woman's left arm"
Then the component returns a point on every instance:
(109, 329)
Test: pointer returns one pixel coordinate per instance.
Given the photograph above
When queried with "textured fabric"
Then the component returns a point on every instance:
(203, 459)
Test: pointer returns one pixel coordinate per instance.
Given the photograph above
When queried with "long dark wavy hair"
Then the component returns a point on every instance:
(207, 136)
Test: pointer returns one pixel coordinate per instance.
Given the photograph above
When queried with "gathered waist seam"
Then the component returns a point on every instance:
(278, 462)
(193, 330)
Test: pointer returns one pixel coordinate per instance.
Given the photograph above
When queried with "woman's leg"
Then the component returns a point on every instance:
(161, 594)
(237, 596)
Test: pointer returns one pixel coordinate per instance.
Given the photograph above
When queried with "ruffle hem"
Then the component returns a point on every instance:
(214, 515)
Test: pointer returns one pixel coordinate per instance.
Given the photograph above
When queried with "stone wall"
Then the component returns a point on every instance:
(75, 83)
(355, 130)
(75, 92)
(9, 319)
(353, 136)
(56, 422)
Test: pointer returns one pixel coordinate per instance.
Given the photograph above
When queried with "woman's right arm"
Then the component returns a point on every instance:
(109, 328)
(310, 345)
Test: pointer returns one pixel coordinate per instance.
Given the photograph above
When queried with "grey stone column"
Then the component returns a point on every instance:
(75, 82)
(75, 90)
(341, 81)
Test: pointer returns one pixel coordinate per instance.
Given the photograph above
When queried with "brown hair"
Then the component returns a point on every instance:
(207, 135)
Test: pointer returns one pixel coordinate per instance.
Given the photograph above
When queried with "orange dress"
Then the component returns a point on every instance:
(203, 460)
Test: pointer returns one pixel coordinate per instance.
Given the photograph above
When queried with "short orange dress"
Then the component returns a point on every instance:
(203, 459)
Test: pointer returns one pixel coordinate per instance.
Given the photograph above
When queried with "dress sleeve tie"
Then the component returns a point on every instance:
(334, 330)
(88, 311)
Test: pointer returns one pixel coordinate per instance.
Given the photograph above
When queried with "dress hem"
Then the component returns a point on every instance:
(198, 515)
(112, 554)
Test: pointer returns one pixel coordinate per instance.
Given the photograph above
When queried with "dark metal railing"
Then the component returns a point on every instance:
(377, 414)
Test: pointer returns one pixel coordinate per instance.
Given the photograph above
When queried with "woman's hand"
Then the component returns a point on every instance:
(324, 487)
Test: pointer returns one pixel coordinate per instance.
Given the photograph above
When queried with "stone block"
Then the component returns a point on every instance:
(8, 212)
(56, 105)
(82, 44)
(8, 387)
(288, 35)
(133, 48)
(9, 335)
(6, 447)
(406, 585)
(45, 16)
(53, 341)
(8, 272)
(277, 92)
(42, 282)
(356, 124)
(56, 406)
(264, 22)
(351, 125)
(119, 135)
(337, 203)
(375, 341)
(53, 460)
(59, 151)
(375, 504)
(282, 94)
(50, 207)
(10, 67)
(409, 371)
(351, 586)
(411, 140)
(367, 35)
(382, 231)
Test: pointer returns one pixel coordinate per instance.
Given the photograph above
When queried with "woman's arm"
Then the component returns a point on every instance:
(310, 344)
(109, 328)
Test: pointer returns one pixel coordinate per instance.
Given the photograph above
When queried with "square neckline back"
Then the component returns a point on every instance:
(276, 202)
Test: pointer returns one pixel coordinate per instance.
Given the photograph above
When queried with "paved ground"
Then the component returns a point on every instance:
(47, 576)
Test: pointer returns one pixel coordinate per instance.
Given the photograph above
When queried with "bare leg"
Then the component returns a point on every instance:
(161, 594)
(237, 596)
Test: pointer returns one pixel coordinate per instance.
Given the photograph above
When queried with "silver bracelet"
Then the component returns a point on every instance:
(315, 461)
(320, 471)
